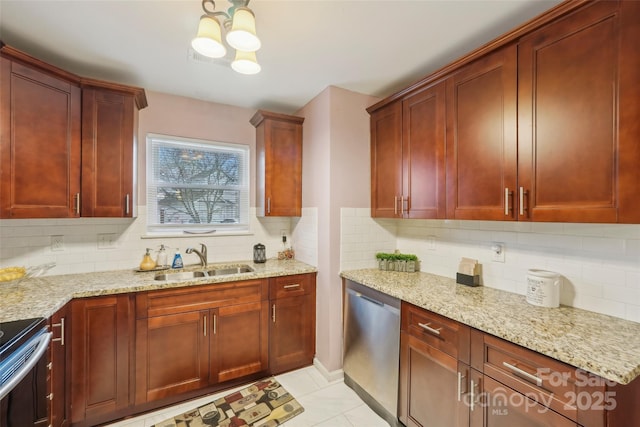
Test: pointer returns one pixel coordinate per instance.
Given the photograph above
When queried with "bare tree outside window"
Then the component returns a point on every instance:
(196, 184)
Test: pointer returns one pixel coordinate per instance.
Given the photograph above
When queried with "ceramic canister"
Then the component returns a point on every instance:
(543, 288)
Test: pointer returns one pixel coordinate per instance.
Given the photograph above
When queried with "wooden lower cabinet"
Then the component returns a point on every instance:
(452, 375)
(60, 362)
(172, 355)
(181, 349)
(430, 386)
(293, 322)
(102, 333)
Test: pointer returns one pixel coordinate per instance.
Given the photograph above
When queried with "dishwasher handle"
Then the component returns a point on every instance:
(371, 300)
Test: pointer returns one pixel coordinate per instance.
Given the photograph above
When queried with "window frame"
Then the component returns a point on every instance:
(153, 228)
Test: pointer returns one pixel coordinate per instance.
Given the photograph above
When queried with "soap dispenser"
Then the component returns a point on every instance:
(177, 260)
(147, 262)
(162, 260)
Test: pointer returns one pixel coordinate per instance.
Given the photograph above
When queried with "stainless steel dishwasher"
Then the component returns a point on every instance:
(371, 351)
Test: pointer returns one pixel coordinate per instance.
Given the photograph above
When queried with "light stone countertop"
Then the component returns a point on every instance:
(604, 345)
(43, 296)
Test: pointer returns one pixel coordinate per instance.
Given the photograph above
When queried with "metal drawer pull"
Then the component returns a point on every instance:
(296, 285)
(204, 326)
(430, 329)
(215, 324)
(460, 377)
(273, 313)
(61, 326)
(532, 378)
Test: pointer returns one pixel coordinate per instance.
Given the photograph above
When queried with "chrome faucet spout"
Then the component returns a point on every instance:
(202, 254)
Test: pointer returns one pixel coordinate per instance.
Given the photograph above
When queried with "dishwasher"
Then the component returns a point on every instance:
(371, 350)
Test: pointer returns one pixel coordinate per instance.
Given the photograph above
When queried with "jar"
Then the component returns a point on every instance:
(259, 253)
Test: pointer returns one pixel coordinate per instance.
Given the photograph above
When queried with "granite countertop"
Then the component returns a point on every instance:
(43, 296)
(604, 345)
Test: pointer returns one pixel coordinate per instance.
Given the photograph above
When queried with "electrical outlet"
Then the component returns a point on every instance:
(106, 241)
(431, 243)
(497, 252)
(57, 243)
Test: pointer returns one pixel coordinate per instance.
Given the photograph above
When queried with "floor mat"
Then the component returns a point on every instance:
(262, 404)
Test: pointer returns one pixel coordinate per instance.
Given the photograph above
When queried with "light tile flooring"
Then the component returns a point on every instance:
(326, 404)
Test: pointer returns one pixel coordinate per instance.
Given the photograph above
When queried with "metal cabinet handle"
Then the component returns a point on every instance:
(460, 377)
(526, 375)
(126, 204)
(426, 327)
(61, 326)
(523, 193)
(215, 324)
(395, 205)
(204, 326)
(292, 286)
(472, 395)
(268, 205)
(273, 313)
(77, 200)
(401, 205)
(506, 201)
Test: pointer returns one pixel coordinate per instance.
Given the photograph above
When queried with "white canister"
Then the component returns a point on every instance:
(543, 288)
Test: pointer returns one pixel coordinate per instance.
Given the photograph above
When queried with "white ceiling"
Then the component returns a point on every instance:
(371, 47)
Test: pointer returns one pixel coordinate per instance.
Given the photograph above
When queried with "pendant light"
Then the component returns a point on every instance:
(240, 26)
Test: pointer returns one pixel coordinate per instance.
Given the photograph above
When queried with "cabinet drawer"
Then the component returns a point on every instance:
(440, 332)
(291, 286)
(561, 387)
(193, 298)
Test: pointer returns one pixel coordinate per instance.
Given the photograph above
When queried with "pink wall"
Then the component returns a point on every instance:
(335, 174)
(192, 118)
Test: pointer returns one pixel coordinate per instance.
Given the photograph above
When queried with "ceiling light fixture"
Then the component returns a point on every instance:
(240, 26)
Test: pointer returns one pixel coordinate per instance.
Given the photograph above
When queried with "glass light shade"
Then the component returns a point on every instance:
(208, 41)
(246, 63)
(242, 35)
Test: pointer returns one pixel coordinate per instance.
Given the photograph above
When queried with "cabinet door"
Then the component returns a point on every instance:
(172, 355)
(481, 138)
(504, 407)
(240, 341)
(386, 161)
(423, 153)
(292, 333)
(573, 156)
(278, 164)
(39, 144)
(60, 368)
(107, 153)
(101, 348)
(431, 386)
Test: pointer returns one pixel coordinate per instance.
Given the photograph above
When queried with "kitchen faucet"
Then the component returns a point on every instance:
(202, 253)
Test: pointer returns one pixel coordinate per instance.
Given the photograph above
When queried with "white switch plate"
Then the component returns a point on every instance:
(497, 252)
(431, 243)
(106, 240)
(57, 243)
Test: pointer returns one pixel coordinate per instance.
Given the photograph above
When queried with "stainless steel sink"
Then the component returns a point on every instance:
(230, 270)
(188, 275)
(184, 275)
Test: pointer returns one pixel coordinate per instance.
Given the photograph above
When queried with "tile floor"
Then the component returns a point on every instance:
(326, 404)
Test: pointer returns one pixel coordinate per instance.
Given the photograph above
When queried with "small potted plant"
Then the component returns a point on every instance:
(412, 263)
(383, 260)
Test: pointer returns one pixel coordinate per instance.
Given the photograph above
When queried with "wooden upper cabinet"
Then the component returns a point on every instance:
(386, 161)
(423, 154)
(40, 143)
(109, 129)
(482, 138)
(279, 164)
(578, 117)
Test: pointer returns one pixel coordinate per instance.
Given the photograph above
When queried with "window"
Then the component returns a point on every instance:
(196, 186)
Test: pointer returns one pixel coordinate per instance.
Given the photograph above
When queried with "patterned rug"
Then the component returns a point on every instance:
(263, 404)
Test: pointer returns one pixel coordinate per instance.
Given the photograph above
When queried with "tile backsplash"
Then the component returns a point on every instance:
(84, 245)
(600, 263)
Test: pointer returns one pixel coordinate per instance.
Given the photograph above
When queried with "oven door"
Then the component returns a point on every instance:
(23, 384)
